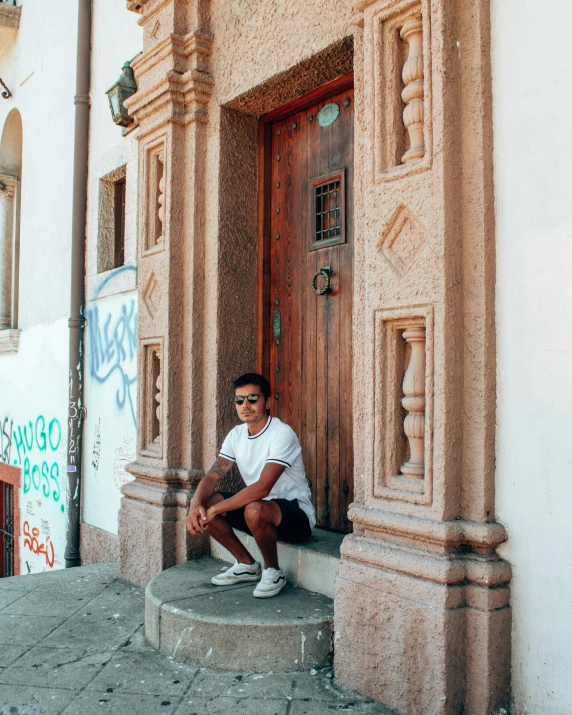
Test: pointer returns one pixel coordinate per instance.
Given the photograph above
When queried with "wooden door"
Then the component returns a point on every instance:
(309, 345)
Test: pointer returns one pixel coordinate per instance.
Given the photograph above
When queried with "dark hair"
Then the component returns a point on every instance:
(253, 378)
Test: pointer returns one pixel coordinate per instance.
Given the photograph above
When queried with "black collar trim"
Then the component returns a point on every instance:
(255, 436)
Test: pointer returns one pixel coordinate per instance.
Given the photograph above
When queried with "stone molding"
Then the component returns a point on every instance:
(177, 98)
(146, 8)
(8, 250)
(447, 569)
(422, 598)
(173, 49)
(9, 341)
(170, 107)
(445, 534)
(10, 16)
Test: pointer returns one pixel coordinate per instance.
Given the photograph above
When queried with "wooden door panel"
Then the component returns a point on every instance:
(311, 360)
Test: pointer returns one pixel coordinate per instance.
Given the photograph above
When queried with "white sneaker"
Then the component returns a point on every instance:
(271, 583)
(237, 573)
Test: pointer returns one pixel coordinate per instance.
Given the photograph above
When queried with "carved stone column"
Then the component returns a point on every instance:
(413, 92)
(414, 403)
(174, 87)
(7, 208)
(422, 601)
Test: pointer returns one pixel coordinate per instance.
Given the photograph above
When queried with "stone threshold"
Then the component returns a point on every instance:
(312, 565)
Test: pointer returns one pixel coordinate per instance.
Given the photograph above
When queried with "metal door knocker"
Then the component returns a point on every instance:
(326, 271)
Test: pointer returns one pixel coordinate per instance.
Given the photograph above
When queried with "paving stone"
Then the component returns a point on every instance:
(144, 673)
(137, 643)
(231, 706)
(119, 598)
(9, 653)
(212, 683)
(8, 596)
(25, 700)
(103, 573)
(92, 701)
(18, 583)
(16, 630)
(321, 687)
(92, 631)
(70, 668)
(102, 647)
(314, 707)
(50, 601)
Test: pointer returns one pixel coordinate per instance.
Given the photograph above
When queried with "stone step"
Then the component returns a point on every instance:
(225, 627)
(312, 565)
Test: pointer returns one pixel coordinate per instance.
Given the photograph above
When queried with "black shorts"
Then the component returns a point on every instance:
(294, 527)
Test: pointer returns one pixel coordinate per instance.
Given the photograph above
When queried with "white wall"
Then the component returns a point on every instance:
(111, 398)
(39, 68)
(110, 391)
(532, 85)
(34, 438)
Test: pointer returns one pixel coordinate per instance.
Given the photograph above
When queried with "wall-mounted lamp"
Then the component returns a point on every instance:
(118, 93)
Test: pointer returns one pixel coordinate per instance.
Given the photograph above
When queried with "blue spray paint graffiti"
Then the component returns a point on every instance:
(113, 346)
(113, 274)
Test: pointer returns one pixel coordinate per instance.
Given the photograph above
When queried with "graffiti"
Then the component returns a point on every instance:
(113, 346)
(113, 274)
(6, 439)
(21, 444)
(31, 541)
(96, 446)
(124, 455)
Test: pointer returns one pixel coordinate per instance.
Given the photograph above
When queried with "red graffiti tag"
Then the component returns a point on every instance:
(31, 541)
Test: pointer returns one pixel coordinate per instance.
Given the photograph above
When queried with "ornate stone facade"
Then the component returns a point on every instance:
(422, 599)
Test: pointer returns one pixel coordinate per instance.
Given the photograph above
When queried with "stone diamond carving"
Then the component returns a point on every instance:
(402, 239)
(150, 296)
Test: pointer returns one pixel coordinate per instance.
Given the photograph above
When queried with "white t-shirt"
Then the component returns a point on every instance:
(276, 442)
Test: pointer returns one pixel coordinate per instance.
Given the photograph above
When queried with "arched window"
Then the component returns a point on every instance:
(10, 189)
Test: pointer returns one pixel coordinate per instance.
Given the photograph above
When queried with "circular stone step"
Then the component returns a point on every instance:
(225, 627)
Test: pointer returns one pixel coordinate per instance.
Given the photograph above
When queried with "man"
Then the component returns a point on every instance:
(276, 502)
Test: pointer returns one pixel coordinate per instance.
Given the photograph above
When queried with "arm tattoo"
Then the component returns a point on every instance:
(221, 467)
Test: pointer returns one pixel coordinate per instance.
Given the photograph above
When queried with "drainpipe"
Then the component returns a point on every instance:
(77, 310)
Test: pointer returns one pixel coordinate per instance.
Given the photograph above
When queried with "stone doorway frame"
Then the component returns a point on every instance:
(422, 598)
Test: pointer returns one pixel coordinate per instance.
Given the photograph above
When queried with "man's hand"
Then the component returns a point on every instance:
(209, 516)
(206, 488)
(197, 515)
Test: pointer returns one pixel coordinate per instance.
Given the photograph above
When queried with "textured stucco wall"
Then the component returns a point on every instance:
(533, 179)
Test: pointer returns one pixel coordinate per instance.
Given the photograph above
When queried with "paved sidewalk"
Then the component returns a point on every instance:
(72, 642)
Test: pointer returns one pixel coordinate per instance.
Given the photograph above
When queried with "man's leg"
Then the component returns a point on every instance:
(222, 531)
(262, 518)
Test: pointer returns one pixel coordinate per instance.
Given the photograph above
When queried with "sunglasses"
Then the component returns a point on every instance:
(252, 399)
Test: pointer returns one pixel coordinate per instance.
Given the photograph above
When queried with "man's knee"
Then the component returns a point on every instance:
(255, 513)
